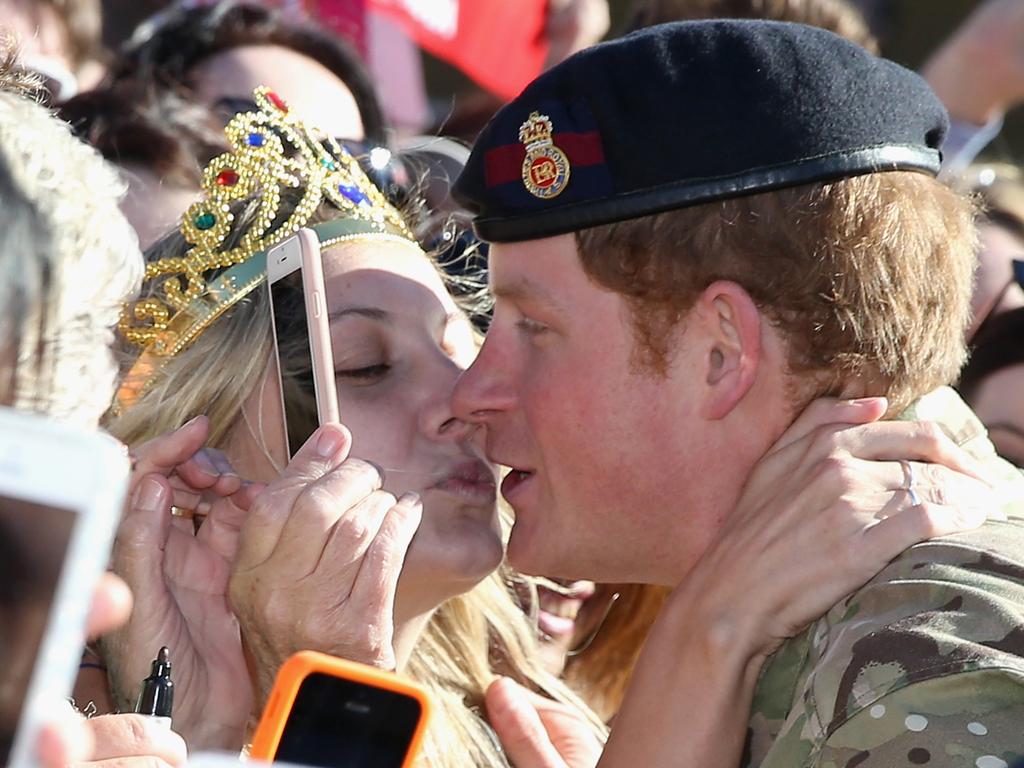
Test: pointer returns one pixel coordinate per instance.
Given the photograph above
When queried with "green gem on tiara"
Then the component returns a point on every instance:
(205, 221)
(328, 164)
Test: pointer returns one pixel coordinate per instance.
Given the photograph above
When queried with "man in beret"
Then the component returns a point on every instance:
(697, 230)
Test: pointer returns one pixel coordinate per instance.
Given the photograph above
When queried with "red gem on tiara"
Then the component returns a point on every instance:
(277, 101)
(227, 178)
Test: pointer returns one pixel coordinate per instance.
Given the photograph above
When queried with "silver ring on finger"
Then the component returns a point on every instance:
(908, 474)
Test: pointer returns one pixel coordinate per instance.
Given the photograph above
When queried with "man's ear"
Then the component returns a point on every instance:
(731, 326)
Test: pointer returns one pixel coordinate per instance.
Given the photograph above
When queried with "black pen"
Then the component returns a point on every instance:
(157, 696)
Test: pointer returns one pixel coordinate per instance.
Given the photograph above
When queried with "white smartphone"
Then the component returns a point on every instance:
(302, 336)
(62, 491)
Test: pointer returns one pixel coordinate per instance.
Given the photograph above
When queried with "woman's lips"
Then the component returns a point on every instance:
(472, 481)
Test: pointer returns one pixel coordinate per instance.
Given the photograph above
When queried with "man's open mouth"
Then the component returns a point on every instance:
(513, 481)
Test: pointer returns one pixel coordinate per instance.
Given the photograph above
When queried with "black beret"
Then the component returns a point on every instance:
(688, 113)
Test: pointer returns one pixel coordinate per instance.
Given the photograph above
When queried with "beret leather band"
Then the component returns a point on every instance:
(644, 202)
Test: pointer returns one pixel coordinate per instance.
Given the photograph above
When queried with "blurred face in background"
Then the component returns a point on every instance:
(999, 403)
(43, 43)
(998, 247)
(311, 89)
(569, 613)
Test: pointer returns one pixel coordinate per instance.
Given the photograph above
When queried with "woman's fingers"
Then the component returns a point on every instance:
(163, 454)
(143, 531)
(209, 470)
(223, 525)
(124, 736)
(352, 534)
(932, 483)
(918, 523)
(331, 502)
(65, 740)
(519, 728)
(111, 605)
(812, 438)
(373, 592)
(911, 440)
(832, 456)
(828, 411)
(326, 448)
(181, 453)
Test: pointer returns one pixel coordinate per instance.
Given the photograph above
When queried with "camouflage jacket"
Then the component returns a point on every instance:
(924, 665)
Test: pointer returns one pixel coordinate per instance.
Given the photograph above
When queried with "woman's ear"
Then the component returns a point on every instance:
(731, 324)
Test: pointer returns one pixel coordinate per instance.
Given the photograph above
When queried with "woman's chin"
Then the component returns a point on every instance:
(452, 560)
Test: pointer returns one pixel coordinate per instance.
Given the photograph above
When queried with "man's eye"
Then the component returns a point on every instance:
(531, 327)
(368, 373)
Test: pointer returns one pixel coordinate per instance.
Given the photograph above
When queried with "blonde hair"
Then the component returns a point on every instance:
(69, 259)
(868, 278)
(469, 640)
(600, 672)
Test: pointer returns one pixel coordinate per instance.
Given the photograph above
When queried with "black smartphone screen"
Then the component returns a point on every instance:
(339, 723)
(34, 541)
(295, 359)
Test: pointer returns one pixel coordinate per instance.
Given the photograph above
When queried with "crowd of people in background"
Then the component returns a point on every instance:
(239, 554)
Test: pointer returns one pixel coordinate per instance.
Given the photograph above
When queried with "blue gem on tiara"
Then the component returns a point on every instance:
(328, 164)
(355, 194)
(256, 139)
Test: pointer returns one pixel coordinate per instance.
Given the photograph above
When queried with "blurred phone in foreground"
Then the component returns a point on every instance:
(302, 336)
(231, 760)
(332, 713)
(62, 491)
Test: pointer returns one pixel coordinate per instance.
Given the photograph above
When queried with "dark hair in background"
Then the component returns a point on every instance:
(166, 48)
(159, 130)
(838, 16)
(998, 345)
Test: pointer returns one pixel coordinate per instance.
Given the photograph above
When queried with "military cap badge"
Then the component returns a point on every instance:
(546, 168)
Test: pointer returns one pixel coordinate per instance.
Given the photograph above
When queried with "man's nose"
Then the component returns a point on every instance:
(484, 390)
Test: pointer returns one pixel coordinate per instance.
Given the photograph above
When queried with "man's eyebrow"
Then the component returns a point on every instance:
(373, 313)
(526, 290)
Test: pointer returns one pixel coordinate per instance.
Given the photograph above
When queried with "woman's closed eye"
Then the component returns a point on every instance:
(366, 374)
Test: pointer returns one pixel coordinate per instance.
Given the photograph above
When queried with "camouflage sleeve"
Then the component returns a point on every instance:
(972, 719)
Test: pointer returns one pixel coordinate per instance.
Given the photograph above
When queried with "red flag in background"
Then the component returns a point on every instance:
(498, 43)
(346, 17)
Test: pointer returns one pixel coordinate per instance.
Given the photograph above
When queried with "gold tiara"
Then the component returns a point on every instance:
(272, 151)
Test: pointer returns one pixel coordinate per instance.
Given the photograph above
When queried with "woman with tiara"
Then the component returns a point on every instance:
(203, 348)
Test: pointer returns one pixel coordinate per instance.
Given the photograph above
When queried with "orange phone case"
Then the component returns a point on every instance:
(304, 663)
